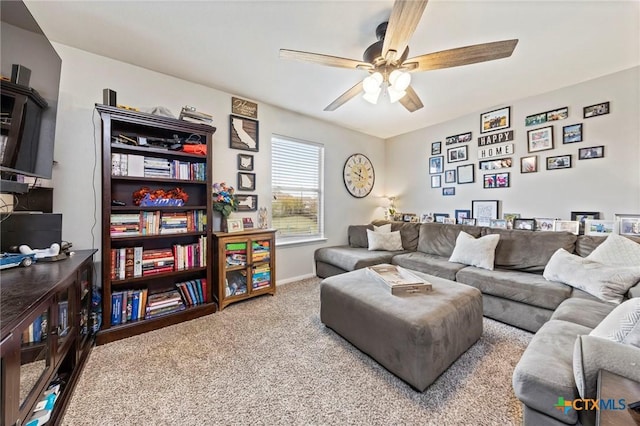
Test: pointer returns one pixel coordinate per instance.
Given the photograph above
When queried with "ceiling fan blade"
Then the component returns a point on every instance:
(461, 56)
(411, 101)
(404, 19)
(349, 94)
(332, 61)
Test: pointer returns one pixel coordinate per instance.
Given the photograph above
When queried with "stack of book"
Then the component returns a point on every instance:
(193, 292)
(190, 255)
(261, 251)
(236, 254)
(261, 277)
(157, 168)
(193, 116)
(157, 261)
(173, 223)
(164, 303)
(125, 224)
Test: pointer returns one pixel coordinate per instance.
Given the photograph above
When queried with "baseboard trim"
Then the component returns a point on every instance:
(292, 279)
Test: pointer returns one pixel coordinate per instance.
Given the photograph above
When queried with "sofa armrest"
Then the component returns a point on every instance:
(591, 354)
(634, 291)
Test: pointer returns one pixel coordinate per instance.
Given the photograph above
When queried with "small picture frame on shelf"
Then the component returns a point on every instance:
(247, 202)
(468, 221)
(245, 162)
(628, 224)
(572, 226)
(498, 223)
(235, 225)
(246, 181)
(243, 133)
(544, 224)
(439, 217)
(485, 210)
(599, 227)
(462, 214)
(524, 224)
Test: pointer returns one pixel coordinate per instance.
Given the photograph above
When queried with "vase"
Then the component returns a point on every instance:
(219, 223)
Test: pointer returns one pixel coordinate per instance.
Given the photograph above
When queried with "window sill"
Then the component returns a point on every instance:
(299, 241)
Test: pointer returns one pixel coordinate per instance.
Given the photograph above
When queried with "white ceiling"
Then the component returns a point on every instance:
(233, 46)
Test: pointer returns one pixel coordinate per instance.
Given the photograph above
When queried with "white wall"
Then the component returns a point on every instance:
(78, 147)
(609, 185)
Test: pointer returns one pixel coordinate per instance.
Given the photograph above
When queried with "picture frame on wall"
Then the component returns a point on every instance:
(450, 176)
(436, 148)
(540, 139)
(591, 152)
(496, 180)
(572, 133)
(466, 173)
(247, 202)
(495, 120)
(595, 110)
(499, 163)
(436, 164)
(485, 210)
(558, 114)
(529, 164)
(559, 162)
(436, 181)
(243, 133)
(460, 153)
(245, 162)
(246, 181)
(461, 138)
(449, 191)
(535, 119)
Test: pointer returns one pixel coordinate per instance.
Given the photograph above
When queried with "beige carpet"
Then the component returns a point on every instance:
(271, 361)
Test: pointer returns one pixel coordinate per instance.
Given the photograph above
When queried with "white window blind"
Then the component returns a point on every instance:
(296, 179)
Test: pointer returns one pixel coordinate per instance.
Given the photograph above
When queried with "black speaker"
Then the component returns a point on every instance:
(109, 97)
(20, 74)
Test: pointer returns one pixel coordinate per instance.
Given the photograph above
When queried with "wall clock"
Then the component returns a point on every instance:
(358, 175)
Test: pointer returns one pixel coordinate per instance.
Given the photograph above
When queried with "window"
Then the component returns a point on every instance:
(296, 183)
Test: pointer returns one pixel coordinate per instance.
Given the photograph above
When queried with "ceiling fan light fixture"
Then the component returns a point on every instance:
(372, 96)
(399, 80)
(372, 83)
(395, 95)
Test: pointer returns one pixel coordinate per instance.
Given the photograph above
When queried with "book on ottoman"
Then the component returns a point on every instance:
(399, 280)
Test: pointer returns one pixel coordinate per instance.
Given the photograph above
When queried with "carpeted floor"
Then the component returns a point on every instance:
(271, 361)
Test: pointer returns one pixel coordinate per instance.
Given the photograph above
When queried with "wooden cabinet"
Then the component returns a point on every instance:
(246, 265)
(151, 248)
(46, 332)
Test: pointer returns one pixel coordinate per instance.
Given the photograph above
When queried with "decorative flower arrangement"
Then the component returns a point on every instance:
(224, 199)
(159, 197)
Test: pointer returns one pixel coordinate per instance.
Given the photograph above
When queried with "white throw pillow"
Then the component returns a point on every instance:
(622, 325)
(382, 228)
(608, 283)
(390, 241)
(617, 250)
(479, 252)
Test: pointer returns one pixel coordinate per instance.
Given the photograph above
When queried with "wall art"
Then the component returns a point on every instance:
(559, 162)
(460, 153)
(572, 133)
(247, 203)
(435, 164)
(450, 176)
(529, 164)
(591, 152)
(495, 120)
(246, 181)
(436, 148)
(243, 133)
(449, 191)
(244, 107)
(245, 162)
(501, 163)
(540, 139)
(484, 210)
(496, 180)
(436, 181)
(495, 151)
(597, 109)
(544, 117)
(558, 114)
(494, 138)
(466, 174)
(461, 138)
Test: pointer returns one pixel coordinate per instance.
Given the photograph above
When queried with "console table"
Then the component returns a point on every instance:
(613, 386)
(45, 318)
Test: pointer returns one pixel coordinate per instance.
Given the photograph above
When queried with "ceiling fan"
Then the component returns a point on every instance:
(387, 63)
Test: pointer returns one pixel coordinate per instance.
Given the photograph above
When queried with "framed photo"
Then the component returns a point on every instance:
(460, 153)
(498, 223)
(583, 216)
(572, 133)
(409, 217)
(496, 180)
(524, 224)
(449, 220)
(449, 191)
(629, 224)
(436, 148)
(436, 181)
(243, 133)
(426, 218)
(435, 164)
(495, 120)
(591, 152)
(439, 217)
(245, 162)
(247, 203)
(509, 217)
(535, 119)
(466, 174)
(462, 214)
(559, 162)
(540, 139)
(599, 227)
(572, 226)
(544, 224)
(461, 138)
(558, 114)
(529, 164)
(597, 109)
(500, 163)
(450, 176)
(235, 225)
(484, 210)
(468, 221)
(246, 181)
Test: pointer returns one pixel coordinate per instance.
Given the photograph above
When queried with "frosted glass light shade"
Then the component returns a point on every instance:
(400, 80)
(372, 83)
(372, 96)
(394, 94)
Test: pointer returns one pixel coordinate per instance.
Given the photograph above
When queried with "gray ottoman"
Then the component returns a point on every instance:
(416, 337)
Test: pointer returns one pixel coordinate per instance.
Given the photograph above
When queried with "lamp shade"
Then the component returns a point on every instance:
(394, 94)
(372, 83)
(372, 96)
(400, 80)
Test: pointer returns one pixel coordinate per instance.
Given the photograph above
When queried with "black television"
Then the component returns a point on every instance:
(26, 149)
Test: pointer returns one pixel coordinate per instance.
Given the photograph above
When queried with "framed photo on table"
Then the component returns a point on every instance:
(484, 210)
(629, 224)
(235, 225)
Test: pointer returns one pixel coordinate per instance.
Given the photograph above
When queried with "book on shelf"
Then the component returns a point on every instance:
(236, 283)
(399, 280)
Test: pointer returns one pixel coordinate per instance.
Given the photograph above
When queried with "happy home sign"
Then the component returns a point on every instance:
(496, 138)
(244, 107)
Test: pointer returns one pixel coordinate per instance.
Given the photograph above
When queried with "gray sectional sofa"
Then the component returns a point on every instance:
(516, 293)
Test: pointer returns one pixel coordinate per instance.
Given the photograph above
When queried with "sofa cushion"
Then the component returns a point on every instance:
(389, 241)
(526, 250)
(478, 252)
(582, 311)
(357, 235)
(409, 233)
(382, 228)
(622, 325)
(545, 371)
(617, 251)
(428, 264)
(524, 287)
(440, 239)
(608, 283)
(350, 258)
(586, 244)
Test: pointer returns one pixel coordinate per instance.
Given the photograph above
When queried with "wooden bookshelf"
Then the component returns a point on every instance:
(117, 185)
